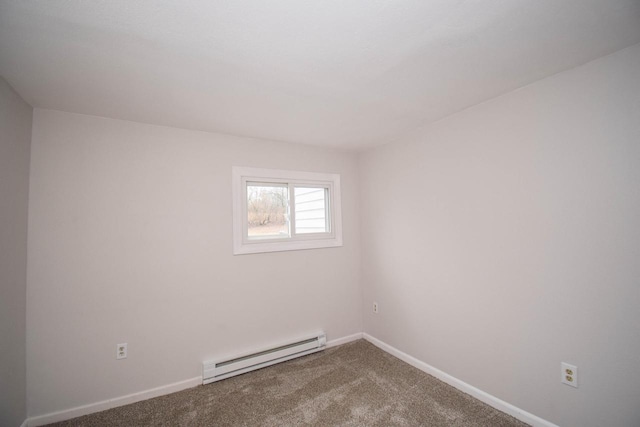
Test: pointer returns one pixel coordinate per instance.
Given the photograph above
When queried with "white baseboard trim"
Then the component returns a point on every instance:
(344, 340)
(490, 400)
(90, 408)
(487, 398)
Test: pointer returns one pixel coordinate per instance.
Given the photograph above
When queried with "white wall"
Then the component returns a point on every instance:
(498, 242)
(131, 241)
(15, 142)
(505, 239)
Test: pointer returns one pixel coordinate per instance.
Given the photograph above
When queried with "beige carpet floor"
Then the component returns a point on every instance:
(355, 384)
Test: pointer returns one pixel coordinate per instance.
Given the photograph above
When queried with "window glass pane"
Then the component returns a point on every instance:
(311, 210)
(267, 211)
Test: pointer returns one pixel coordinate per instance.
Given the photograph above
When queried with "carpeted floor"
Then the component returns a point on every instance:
(355, 384)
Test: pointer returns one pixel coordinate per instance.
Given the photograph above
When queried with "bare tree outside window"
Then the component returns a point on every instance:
(268, 211)
(282, 210)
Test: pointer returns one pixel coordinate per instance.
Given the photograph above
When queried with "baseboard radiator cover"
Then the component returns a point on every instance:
(232, 366)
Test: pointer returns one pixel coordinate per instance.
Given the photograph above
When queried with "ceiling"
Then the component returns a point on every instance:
(341, 73)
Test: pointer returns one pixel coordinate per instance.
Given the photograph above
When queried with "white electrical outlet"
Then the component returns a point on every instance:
(569, 374)
(375, 307)
(121, 351)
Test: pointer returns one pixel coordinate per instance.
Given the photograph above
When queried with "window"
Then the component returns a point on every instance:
(278, 210)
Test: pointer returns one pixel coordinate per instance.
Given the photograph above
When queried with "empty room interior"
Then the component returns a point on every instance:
(320, 213)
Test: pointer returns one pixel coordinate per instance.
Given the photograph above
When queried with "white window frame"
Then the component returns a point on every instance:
(243, 245)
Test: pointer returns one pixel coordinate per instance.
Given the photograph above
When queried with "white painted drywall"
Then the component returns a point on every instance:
(131, 241)
(505, 239)
(336, 73)
(15, 143)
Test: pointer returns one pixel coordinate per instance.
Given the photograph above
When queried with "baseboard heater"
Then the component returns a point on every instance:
(229, 367)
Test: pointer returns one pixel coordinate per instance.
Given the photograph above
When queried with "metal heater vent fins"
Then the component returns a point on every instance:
(221, 369)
